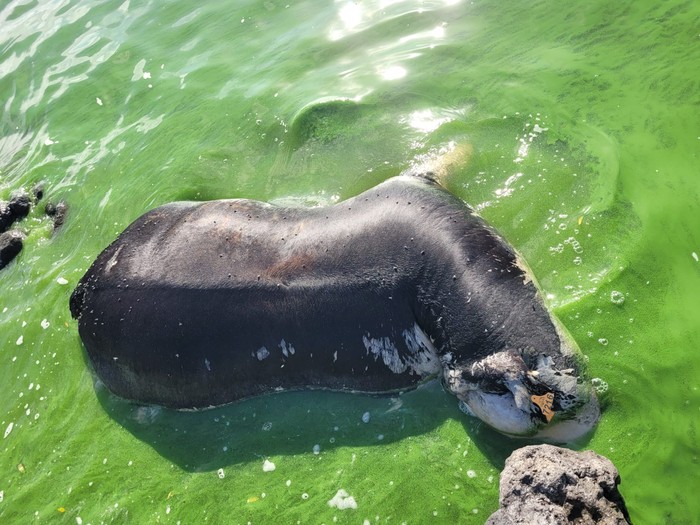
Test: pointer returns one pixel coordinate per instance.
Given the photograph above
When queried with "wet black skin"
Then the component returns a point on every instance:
(174, 310)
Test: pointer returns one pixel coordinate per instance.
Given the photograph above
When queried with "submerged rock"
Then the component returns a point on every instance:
(10, 246)
(57, 212)
(549, 485)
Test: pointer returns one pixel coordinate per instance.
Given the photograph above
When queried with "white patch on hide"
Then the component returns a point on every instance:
(262, 353)
(113, 260)
(423, 358)
(385, 349)
(287, 349)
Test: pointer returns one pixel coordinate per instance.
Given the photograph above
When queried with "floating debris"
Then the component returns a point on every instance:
(9, 429)
(268, 466)
(62, 281)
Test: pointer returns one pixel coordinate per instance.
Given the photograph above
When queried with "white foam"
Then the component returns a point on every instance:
(365, 417)
(8, 429)
(268, 466)
(342, 500)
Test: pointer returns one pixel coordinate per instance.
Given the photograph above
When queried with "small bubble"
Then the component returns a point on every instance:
(220, 473)
(603, 341)
(617, 297)
(304, 496)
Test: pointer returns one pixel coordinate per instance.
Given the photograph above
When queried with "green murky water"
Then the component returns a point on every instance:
(585, 122)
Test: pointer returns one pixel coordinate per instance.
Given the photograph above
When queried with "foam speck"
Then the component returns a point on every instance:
(268, 466)
(365, 417)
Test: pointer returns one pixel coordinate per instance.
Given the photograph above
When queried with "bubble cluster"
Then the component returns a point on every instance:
(599, 385)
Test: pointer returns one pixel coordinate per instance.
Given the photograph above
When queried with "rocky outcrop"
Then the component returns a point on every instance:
(548, 485)
(17, 208)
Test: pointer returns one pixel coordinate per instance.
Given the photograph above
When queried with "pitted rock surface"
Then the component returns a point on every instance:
(548, 485)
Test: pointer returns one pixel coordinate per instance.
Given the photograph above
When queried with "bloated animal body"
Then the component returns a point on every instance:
(198, 304)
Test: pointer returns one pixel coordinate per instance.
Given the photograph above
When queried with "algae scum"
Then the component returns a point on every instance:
(585, 124)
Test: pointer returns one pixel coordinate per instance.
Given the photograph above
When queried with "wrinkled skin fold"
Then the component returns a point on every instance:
(201, 304)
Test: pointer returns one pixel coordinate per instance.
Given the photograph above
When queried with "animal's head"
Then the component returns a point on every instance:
(528, 392)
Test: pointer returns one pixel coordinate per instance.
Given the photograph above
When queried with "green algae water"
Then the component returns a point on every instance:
(584, 120)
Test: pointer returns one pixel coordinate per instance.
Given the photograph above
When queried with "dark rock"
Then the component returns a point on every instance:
(550, 485)
(18, 208)
(57, 212)
(20, 205)
(38, 192)
(10, 246)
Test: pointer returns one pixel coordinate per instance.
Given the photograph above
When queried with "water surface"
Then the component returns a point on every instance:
(585, 124)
